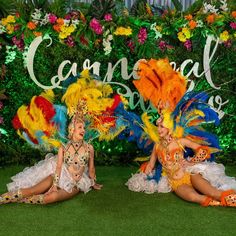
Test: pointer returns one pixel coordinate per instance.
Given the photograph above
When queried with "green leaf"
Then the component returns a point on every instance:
(178, 5)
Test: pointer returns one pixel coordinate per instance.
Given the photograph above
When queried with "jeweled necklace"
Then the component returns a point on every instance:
(77, 144)
(166, 141)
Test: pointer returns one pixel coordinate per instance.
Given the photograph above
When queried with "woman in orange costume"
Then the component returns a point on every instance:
(179, 127)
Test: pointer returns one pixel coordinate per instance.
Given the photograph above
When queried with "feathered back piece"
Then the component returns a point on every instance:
(41, 123)
(190, 114)
(159, 83)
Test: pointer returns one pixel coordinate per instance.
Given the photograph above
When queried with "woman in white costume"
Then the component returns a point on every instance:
(58, 177)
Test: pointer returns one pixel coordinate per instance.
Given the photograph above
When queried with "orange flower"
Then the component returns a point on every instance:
(233, 14)
(192, 24)
(31, 25)
(57, 27)
(37, 33)
(188, 17)
(211, 18)
(60, 21)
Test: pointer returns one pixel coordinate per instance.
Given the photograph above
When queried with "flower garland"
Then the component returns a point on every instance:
(75, 28)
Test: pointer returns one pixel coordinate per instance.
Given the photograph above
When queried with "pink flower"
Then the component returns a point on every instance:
(19, 42)
(188, 45)
(142, 35)
(68, 16)
(96, 26)
(108, 17)
(17, 27)
(162, 45)
(1, 105)
(70, 41)
(52, 18)
(131, 46)
(233, 25)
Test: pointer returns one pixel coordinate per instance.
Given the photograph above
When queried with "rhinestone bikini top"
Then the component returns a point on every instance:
(76, 158)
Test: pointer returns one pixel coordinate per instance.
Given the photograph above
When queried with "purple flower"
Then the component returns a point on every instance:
(162, 45)
(52, 18)
(19, 42)
(1, 105)
(1, 120)
(142, 35)
(67, 17)
(96, 26)
(188, 45)
(70, 41)
(108, 17)
(130, 44)
(233, 25)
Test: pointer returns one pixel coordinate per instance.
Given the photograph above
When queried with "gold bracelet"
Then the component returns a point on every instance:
(55, 180)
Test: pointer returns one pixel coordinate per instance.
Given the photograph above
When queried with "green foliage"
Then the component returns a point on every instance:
(99, 8)
(177, 4)
(19, 88)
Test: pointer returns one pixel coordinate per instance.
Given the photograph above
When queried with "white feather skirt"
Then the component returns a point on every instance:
(31, 176)
(211, 171)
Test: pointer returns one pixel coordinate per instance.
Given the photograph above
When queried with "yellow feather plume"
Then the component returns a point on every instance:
(49, 95)
(149, 128)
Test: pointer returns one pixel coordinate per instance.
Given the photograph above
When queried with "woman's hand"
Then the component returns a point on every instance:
(148, 169)
(97, 186)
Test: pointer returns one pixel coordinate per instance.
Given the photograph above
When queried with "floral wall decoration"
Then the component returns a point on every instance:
(201, 42)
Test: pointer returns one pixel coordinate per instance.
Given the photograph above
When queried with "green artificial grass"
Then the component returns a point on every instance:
(115, 211)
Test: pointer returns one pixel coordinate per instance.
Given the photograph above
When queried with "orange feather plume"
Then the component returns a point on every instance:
(159, 83)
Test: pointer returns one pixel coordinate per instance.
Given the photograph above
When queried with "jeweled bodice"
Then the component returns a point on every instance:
(72, 155)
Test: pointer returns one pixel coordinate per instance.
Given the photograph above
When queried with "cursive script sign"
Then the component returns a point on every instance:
(134, 97)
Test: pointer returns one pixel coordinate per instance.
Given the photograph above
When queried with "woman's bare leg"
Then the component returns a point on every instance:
(203, 186)
(39, 188)
(16, 196)
(52, 197)
(188, 193)
(60, 195)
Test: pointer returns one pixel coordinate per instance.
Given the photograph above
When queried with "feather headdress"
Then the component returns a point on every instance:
(159, 83)
(41, 123)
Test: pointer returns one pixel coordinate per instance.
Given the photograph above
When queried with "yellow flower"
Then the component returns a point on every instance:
(159, 28)
(4, 21)
(224, 36)
(181, 37)
(123, 31)
(186, 32)
(10, 29)
(63, 35)
(11, 19)
(71, 28)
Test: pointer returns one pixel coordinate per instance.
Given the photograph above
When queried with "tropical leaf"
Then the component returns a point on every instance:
(177, 4)
(6, 8)
(195, 7)
(99, 8)
(138, 8)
